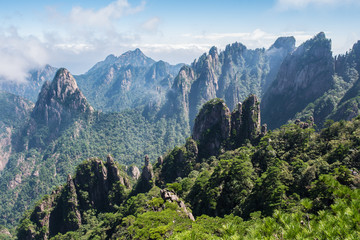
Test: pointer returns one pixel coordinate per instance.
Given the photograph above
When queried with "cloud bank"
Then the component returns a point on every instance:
(19, 54)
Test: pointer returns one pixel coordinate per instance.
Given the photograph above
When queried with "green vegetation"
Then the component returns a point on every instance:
(294, 184)
(127, 136)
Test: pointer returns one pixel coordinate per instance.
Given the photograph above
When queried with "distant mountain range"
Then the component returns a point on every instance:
(131, 105)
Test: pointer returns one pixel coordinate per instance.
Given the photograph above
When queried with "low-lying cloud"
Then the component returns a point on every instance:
(19, 54)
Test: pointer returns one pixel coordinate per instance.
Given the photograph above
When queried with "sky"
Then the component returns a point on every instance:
(78, 34)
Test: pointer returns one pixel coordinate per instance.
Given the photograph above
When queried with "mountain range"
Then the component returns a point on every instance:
(131, 106)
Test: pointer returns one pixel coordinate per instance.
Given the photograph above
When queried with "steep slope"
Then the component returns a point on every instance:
(128, 81)
(59, 102)
(31, 87)
(291, 183)
(232, 75)
(14, 110)
(304, 76)
(62, 131)
(97, 186)
(341, 100)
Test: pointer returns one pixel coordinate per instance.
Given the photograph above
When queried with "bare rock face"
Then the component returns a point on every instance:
(305, 75)
(245, 121)
(134, 172)
(58, 103)
(212, 127)
(146, 180)
(97, 186)
(172, 197)
(251, 118)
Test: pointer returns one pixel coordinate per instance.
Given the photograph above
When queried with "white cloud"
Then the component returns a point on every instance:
(103, 17)
(19, 54)
(300, 4)
(151, 25)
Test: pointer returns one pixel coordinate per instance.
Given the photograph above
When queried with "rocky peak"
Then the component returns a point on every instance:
(287, 43)
(212, 127)
(94, 187)
(146, 180)
(304, 75)
(59, 102)
(135, 58)
(245, 121)
(134, 172)
(251, 117)
(171, 196)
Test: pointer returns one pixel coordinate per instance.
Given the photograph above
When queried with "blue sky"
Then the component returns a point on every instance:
(77, 34)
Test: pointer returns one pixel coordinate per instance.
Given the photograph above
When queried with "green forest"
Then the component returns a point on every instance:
(292, 183)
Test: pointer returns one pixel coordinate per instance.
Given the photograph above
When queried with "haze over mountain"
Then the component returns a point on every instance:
(149, 107)
(128, 81)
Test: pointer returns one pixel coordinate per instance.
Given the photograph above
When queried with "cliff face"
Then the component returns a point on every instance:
(232, 75)
(146, 180)
(305, 75)
(130, 80)
(212, 127)
(14, 111)
(59, 102)
(245, 121)
(97, 185)
(216, 129)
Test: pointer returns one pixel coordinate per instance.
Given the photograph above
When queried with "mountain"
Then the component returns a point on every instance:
(61, 131)
(305, 75)
(312, 84)
(126, 82)
(232, 75)
(14, 110)
(31, 87)
(291, 183)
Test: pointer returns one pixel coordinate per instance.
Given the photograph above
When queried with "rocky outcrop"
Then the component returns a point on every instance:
(59, 102)
(146, 180)
(212, 127)
(216, 128)
(97, 186)
(305, 75)
(59, 99)
(14, 111)
(232, 75)
(128, 81)
(172, 197)
(134, 172)
(245, 121)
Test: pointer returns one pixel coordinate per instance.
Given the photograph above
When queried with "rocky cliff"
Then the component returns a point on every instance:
(305, 75)
(232, 75)
(216, 130)
(212, 127)
(130, 80)
(14, 111)
(59, 102)
(97, 185)
(146, 180)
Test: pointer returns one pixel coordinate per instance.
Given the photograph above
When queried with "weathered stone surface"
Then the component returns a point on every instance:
(212, 127)
(92, 187)
(305, 75)
(172, 197)
(146, 180)
(134, 172)
(58, 103)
